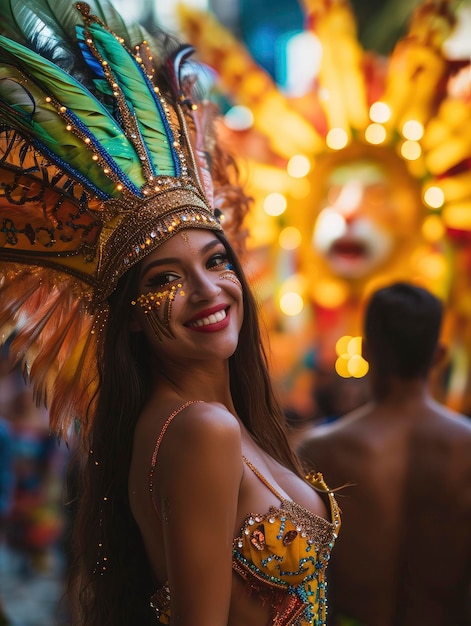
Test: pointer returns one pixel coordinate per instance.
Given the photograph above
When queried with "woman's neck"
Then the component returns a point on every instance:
(208, 381)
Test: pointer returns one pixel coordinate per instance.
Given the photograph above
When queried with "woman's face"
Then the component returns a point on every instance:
(190, 302)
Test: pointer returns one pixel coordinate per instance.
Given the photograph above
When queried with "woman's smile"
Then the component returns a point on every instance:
(210, 320)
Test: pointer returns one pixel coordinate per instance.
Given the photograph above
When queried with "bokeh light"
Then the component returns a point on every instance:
(357, 366)
(298, 166)
(380, 112)
(290, 238)
(275, 204)
(433, 228)
(291, 303)
(336, 138)
(411, 150)
(375, 134)
(434, 197)
(350, 362)
(239, 118)
(413, 130)
(329, 294)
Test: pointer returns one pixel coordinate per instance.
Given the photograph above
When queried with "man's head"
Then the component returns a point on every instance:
(402, 328)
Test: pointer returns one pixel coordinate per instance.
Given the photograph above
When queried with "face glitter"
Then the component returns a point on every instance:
(151, 303)
(229, 274)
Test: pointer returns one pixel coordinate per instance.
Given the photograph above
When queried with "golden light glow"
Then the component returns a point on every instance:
(354, 346)
(411, 150)
(295, 282)
(434, 197)
(330, 293)
(433, 266)
(291, 303)
(380, 112)
(341, 366)
(341, 347)
(357, 366)
(298, 166)
(336, 138)
(301, 189)
(413, 130)
(433, 229)
(290, 238)
(457, 187)
(275, 204)
(350, 362)
(375, 134)
(457, 215)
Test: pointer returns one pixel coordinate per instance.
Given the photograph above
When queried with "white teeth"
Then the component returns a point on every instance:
(211, 319)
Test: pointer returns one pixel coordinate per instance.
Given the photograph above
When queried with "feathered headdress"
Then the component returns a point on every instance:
(102, 158)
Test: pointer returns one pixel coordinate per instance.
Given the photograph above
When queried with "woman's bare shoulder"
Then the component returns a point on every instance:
(202, 445)
(208, 423)
(188, 425)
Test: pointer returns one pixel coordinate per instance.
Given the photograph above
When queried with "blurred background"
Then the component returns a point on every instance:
(351, 124)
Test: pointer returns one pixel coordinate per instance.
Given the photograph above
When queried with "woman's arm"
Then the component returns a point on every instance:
(198, 474)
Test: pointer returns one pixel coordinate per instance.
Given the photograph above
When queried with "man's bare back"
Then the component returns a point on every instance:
(405, 547)
(404, 554)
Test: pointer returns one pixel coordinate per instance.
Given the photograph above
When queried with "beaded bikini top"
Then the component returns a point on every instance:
(282, 555)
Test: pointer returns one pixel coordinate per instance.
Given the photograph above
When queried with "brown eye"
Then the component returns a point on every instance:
(218, 260)
(162, 279)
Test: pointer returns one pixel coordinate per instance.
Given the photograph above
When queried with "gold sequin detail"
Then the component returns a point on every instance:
(151, 302)
(232, 276)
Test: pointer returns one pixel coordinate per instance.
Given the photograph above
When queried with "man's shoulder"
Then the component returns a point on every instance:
(341, 433)
(454, 424)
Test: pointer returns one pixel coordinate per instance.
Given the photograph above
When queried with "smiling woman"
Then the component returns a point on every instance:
(133, 315)
(197, 287)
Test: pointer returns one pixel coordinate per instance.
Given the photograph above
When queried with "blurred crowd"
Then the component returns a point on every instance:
(32, 472)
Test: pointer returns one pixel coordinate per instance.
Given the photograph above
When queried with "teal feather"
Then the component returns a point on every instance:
(103, 128)
(10, 24)
(57, 19)
(133, 33)
(36, 25)
(140, 99)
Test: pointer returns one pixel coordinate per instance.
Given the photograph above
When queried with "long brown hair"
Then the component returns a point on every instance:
(110, 574)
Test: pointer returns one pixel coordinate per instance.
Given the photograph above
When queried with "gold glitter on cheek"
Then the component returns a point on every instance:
(232, 276)
(151, 303)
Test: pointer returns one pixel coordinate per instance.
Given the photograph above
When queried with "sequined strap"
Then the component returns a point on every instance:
(263, 479)
(168, 421)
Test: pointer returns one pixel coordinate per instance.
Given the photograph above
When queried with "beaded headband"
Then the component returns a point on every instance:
(100, 163)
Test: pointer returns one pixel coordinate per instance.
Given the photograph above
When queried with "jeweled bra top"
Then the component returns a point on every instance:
(282, 554)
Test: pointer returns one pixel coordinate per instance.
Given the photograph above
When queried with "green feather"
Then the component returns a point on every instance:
(139, 98)
(28, 111)
(53, 81)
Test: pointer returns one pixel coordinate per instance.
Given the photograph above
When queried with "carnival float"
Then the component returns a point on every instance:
(362, 180)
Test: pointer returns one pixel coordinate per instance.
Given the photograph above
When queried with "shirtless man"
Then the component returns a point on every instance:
(404, 555)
